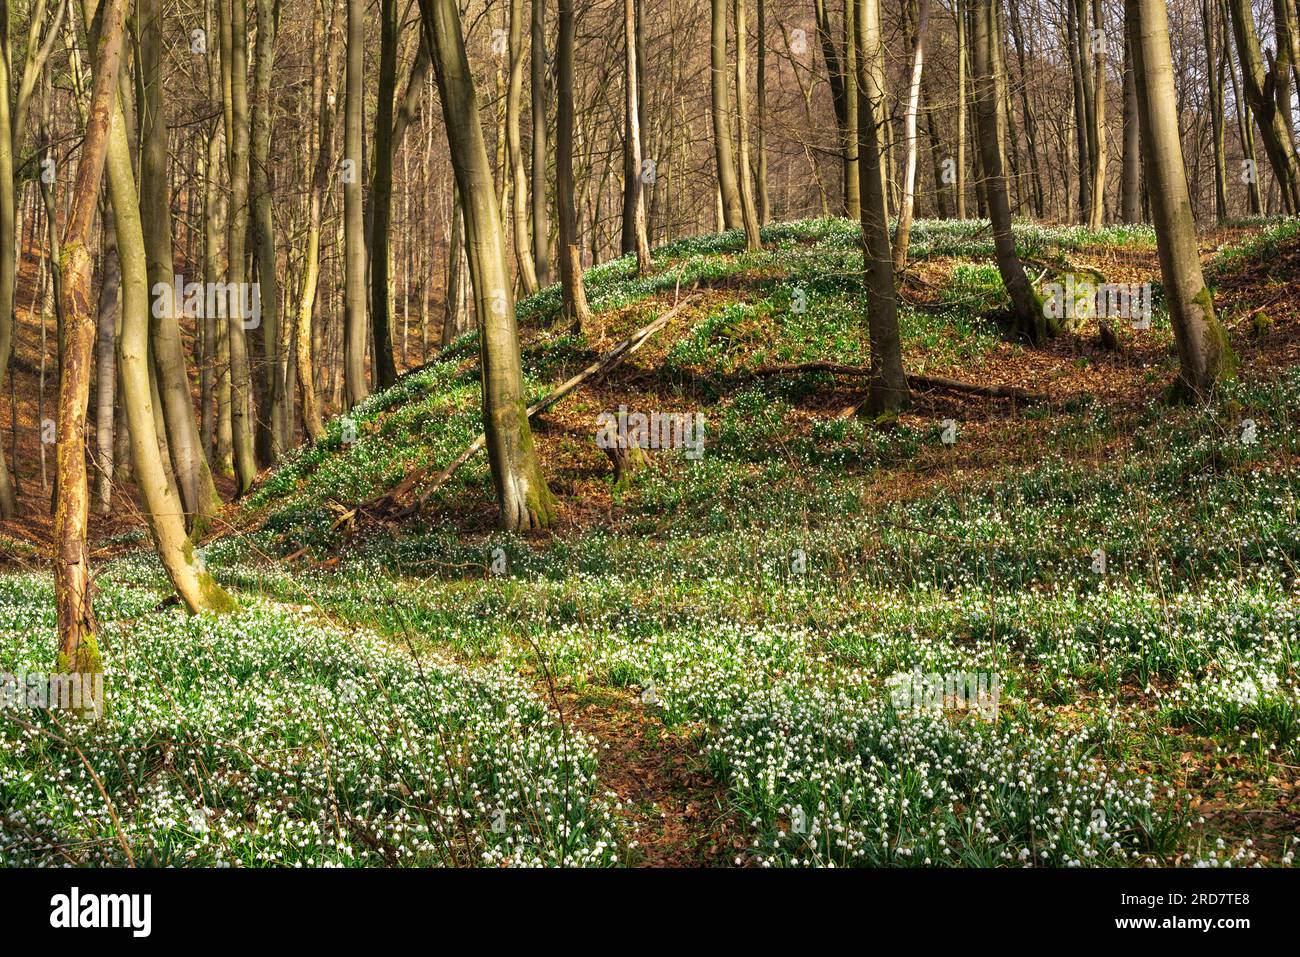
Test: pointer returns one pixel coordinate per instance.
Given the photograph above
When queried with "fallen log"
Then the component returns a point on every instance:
(916, 381)
(605, 364)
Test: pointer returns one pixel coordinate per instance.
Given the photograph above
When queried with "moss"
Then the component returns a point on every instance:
(215, 598)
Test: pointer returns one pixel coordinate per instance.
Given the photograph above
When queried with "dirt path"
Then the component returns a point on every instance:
(673, 808)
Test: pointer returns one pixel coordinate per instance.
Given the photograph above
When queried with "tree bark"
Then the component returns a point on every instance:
(523, 497)
(634, 223)
(574, 293)
(326, 53)
(234, 49)
(194, 478)
(540, 153)
(78, 646)
(354, 239)
(903, 231)
(381, 198)
(1027, 314)
(1130, 186)
(514, 99)
(723, 152)
(749, 211)
(272, 426)
(1204, 355)
(887, 387)
(1274, 124)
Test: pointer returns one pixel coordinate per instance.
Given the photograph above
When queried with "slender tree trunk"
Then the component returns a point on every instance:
(903, 231)
(381, 195)
(760, 106)
(514, 100)
(522, 494)
(959, 184)
(324, 57)
(1130, 186)
(1204, 355)
(724, 155)
(575, 294)
(110, 281)
(1028, 315)
(272, 425)
(8, 247)
(749, 211)
(540, 152)
(234, 48)
(887, 386)
(1214, 64)
(634, 225)
(1274, 124)
(194, 479)
(1097, 136)
(354, 278)
(78, 644)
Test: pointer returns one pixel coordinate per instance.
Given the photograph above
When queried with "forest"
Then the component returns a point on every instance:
(610, 434)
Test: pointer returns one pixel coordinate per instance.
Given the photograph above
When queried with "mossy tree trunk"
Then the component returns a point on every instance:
(194, 478)
(193, 583)
(523, 497)
(1204, 356)
(78, 647)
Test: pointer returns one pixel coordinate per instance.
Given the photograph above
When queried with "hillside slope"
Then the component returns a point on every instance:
(727, 659)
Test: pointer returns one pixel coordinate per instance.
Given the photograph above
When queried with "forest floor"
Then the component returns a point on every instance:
(727, 660)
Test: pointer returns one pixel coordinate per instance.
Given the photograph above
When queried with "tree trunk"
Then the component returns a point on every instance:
(749, 212)
(325, 54)
(724, 156)
(1214, 63)
(634, 229)
(234, 48)
(381, 197)
(575, 294)
(1097, 132)
(8, 247)
(354, 238)
(514, 99)
(110, 281)
(959, 174)
(903, 231)
(1027, 314)
(194, 478)
(760, 106)
(887, 386)
(78, 644)
(1204, 355)
(1130, 186)
(540, 176)
(522, 494)
(272, 425)
(1274, 124)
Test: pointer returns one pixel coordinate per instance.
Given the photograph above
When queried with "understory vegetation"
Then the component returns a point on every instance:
(415, 688)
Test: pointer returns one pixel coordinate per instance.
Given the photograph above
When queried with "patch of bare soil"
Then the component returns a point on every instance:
(672, 806)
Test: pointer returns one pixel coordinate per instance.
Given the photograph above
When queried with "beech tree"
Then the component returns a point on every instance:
(1204, 356)
(523, 497)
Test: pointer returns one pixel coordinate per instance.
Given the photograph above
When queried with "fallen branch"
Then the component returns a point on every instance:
(611, 359)
(916, 381)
